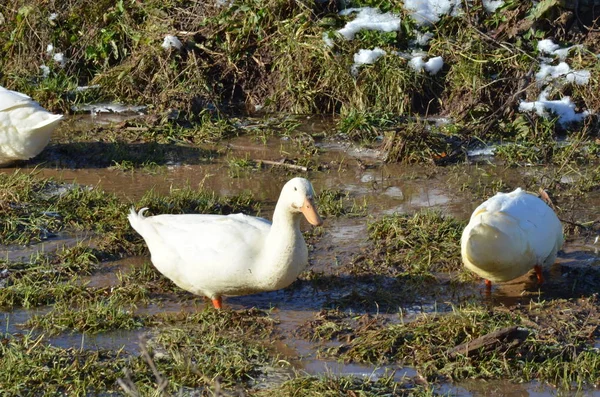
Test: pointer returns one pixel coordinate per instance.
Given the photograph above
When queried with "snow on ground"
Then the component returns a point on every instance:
(427, 13)
(171, 41)
(327, 40)
(60, 58)
(549, 72)
(363, 57)
(563, 108)
(547, 46)
(421, 39)
(492, 5)
(370, 19)
(45, 71)
(433, 65)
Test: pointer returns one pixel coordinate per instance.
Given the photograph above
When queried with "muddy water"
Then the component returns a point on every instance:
(385, 189)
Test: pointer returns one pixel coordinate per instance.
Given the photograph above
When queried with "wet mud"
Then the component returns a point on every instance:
(383, 188)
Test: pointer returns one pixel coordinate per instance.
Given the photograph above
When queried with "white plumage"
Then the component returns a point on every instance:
(218, 255)
(508, 235)
(25, 126)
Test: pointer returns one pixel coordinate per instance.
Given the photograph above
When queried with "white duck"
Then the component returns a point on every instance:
(509, 234)
(219, 255)
(25, 126)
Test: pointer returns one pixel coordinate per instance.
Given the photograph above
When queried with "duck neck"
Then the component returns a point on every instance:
(285, 222)
(285, 253)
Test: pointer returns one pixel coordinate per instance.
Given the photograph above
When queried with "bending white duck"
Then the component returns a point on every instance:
(25, 126)
(509, 234)
(218, 255)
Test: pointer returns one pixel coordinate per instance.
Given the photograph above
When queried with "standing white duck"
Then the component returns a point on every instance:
(509, 234)
(25, 126)
(220, 255)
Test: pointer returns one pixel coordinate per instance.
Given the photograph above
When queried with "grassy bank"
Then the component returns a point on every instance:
(289, 56)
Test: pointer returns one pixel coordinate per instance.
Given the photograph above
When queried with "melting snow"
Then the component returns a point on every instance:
(363, 57)
(371, 19)
(547, 46)
(421, 39)
(549, 72)
(45, 71)
(59, 58)
(433, 65)
(427, 13)
(328, 41)
(171, 41)
(492, 5)
(564, 108)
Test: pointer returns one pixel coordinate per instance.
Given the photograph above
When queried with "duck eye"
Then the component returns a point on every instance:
(295, 189)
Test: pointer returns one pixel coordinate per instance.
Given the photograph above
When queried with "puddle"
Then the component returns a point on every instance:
(385, 188)
(52, 244)
(316, 367)
(490, 388)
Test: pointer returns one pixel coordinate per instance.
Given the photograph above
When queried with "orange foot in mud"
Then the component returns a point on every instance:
(218, 302)
(538, 273)
(488, 285)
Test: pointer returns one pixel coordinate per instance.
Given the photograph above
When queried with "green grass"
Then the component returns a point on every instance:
(91, 317)
(424, 242)
(333, 202)
(331, 385)
(190, 352)
(31, 201)
(553, 350)
(271, 55)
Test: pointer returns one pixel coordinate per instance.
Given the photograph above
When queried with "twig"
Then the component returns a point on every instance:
(510, 336)
(127, 383)
(281, 163)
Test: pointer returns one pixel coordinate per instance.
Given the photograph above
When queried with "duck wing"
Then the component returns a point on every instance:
(11, 99)
(215, 240)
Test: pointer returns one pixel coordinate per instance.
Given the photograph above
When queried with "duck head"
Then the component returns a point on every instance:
(300, 195)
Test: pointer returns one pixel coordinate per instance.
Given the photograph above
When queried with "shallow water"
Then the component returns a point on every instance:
(385, 189)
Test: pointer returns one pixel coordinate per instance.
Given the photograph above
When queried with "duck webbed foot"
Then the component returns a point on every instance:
(538, 273)
(217, 302)
(488, 285)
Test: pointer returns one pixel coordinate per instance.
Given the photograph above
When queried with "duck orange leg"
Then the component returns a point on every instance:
(538, 273)
(217, 302)
(488, 285)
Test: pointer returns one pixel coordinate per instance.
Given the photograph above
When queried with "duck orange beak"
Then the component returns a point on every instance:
(310, 212)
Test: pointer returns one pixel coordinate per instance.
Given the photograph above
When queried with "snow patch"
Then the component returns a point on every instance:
(45, 71)
(433, 65)
(492, 5)
(547, 46)
(171, 42)
(60, 58)
(363, 57)
(370, 19)
(427, 13)
(563, 108)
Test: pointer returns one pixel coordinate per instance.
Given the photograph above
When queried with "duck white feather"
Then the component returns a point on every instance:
(228, 255)
(508, 235)
(25, 126)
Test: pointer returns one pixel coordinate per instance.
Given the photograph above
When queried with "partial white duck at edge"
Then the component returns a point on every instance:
(25, 126)
(508, 235)
(230, 255)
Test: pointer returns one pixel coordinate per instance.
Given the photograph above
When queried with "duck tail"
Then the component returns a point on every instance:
(135, 218)
(49, 123)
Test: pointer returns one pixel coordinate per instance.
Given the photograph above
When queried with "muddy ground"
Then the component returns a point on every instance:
(381, 310)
